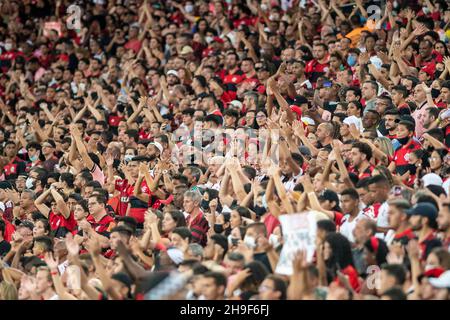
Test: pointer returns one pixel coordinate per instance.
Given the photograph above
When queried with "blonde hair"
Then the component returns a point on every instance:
(8, 291)
(385, 145)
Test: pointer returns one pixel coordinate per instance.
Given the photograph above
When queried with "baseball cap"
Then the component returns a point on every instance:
(236, 104)
(423, 209)
(172, 72)
(431, 179)
(157, 145)
(186, 50)
(299, 100)
(217, 39)
(329, 195)
(442, 282)
(176, 255)
(27, 224)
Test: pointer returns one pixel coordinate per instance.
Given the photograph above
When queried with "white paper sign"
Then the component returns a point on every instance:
(299, 232)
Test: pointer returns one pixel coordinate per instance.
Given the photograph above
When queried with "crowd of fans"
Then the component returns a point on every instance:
(149, 148)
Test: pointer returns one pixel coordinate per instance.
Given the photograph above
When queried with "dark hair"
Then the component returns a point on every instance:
(178, 216)
(219, 278)
(341, 253)
(363, 148)
(279, 285)
(395, 293)
(46, 241)
(351, 192)
(134, 134)
(326, 225)
(68, 178)
(377, 247)
(99, 198)
(46, 224)
(402, 89)
(397, 271)
(183, 232)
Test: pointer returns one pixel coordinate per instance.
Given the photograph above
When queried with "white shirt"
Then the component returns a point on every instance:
(347, 226)
(382, 219)
(292, 182)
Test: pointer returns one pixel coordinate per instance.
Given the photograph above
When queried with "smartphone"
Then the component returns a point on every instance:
(397, 191)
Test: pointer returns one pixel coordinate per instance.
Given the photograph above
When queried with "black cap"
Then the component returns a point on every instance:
(423, 209)
(329, 195)
(299, 100)
(27, 224)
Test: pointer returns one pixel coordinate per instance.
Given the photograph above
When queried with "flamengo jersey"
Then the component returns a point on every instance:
(137, 207)
(103, 226)
(401, 157)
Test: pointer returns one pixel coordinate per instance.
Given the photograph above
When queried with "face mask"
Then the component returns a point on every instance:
(273, 240)
(403, 141)
(128, 157)
(209, 39)
(204, 204)
(435, 93)
(8, 46)
(218, 228)
(29, 183)
(425, 10)
(429, 267)
(34, 158)
(351, 60)
(260, 211)
(250, 242)
(189, 8)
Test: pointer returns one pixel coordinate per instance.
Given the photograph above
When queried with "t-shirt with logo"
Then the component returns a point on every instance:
(401, 157)
(103, 226)
(14, 168)
(60, 225)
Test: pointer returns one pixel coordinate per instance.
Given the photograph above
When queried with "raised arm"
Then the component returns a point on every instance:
(40, 205)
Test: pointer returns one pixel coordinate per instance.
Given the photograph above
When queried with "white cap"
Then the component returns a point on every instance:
(176, 255)
(432, 179)
(442, 282)
(355, 120)
(236, 103)
(309, 121)
(158, 145)
(172, 72)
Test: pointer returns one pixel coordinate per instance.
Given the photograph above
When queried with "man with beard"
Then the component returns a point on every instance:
(319, 65)
(360, 156)
(443, 221)
(399, 222)
(423, 221)
(391, 117)
(430, 116)
(232, 73)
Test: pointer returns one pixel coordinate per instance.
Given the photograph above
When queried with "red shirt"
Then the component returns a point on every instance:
(401, 156)
(365, 174)
(59, 221)
(199, 227)
(271, 222)
(9, 230)
(314, 70)
(137, 207)
(104, 225)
